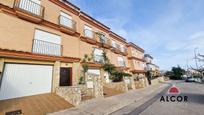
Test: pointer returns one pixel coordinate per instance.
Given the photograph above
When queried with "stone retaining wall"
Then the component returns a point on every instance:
(86, 91)
(141, 83)
(157, 80)
(119, 86)
(130, 82)
(72, 94)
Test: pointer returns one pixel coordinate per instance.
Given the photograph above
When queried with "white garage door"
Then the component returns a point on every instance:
(94, 71)
(23, 80)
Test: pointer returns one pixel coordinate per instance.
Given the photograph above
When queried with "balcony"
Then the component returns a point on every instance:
(116, 49)
(47, 48)
(104, 42)
(29, 10)
(99, 59)
(67, 25)
(124, 51)
(89, 36)
(121, 63)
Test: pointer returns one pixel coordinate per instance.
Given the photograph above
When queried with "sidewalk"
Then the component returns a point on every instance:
(109, 105)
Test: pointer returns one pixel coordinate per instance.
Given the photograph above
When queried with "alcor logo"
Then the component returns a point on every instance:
(173, 96)
(173, 90)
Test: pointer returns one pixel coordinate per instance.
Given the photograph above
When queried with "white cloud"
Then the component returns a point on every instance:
(171, 36)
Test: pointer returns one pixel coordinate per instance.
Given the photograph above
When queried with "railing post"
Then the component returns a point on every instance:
(62, 50)
(30, 7)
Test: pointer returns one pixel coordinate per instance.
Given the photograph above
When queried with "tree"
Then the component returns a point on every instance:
(108, 67)
(112, 71)
(105, 58)
(169, 73)
(118, 75)
(85, 68)
(177, 73)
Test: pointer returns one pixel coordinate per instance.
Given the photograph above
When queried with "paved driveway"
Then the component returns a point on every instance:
(34, 105)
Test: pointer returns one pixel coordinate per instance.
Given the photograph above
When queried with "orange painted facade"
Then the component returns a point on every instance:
(18, 30)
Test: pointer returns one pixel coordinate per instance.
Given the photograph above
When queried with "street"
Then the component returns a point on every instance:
(193, 106)
(147, 101)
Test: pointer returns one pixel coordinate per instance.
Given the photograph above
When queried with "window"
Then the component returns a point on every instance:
(134, 53)
(88, 31)
(46, 43)
(138, 64)
(32, 6)
(98, 55)
(134, 64)
(102, 38)
(121, 62)
(66, 20)
(114, 44)
(122, 48)
(143, 65)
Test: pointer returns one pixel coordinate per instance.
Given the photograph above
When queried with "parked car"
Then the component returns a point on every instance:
(190, 79)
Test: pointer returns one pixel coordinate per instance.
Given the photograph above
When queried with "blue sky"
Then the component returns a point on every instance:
(169, 30)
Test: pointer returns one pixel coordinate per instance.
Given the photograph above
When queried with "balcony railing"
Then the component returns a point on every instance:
(98, 59)
(121, 63)
(30, 7)
(124, 51)
(47, 48)
(118, 46)
(89, 34)
(66, 22)
(104, 40)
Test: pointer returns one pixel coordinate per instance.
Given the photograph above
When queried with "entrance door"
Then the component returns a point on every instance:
(65, 76)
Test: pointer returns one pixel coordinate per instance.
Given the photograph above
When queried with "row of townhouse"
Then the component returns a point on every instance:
(150, 66)
(43, 43)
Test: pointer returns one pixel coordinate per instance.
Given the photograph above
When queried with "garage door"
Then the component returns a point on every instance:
(23, 80)
(94, 71)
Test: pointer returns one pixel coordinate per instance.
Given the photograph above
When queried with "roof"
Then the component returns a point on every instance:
(83, 13)
(135, 46)
(72, 5)
(148, 55)
(96, 21)
(120, 38)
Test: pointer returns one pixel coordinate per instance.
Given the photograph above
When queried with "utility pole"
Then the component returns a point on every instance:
(195, 49)
(187, 68)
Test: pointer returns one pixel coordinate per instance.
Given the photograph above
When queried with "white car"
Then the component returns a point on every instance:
(190, 79)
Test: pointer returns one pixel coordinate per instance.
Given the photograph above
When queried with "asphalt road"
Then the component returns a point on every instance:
(194, 105)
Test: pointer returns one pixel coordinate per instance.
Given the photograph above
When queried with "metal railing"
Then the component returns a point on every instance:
(123, 49)
(89, 33)
(113, 45)
(98, 58)
(118, 46)
(104, 40)
(47, 48)
(30, 7)
(121, 63)
(66, 22)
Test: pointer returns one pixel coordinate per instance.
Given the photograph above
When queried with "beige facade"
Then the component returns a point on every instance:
(150, 66)
(136, 60)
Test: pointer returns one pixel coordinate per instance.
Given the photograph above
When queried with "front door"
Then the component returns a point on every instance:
(65, 76)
